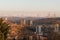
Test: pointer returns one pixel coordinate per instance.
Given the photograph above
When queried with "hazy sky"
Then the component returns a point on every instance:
(20, 7)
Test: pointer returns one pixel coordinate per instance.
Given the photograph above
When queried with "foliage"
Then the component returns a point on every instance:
(3, 29)
(25, 32)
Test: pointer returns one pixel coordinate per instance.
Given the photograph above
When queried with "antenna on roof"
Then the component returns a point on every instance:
(48, 15)
(37, 15)
(54, 14)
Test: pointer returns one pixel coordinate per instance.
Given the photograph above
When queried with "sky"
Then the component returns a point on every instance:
(33, 8)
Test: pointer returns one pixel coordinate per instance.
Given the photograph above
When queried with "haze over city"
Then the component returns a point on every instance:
(33, 8)
(29, 19)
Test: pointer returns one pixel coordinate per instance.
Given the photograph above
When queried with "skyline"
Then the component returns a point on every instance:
(30, 14)
(29, 7)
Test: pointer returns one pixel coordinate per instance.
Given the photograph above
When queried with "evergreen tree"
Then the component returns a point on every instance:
(3, 29)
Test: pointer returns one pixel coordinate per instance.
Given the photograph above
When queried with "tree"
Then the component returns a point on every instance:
(25, 32)
(3, 29)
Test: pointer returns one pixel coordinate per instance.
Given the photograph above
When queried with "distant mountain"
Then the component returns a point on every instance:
(18, 19)
(46, 20)
(36, 20)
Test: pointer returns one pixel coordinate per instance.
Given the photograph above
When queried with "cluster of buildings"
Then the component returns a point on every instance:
(40, 32)
(15, 29)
